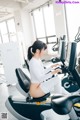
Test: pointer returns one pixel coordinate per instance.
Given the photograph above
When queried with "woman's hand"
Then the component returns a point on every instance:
(55, 65)
(56, 71)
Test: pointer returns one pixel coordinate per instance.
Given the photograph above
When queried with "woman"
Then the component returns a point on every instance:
(43, 80)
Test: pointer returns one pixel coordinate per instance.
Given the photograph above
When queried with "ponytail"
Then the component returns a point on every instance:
(36, 45)
(30, 54)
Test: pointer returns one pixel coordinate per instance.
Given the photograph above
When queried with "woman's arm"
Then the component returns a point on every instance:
(47, 70)
(40, 75)
(38, 72)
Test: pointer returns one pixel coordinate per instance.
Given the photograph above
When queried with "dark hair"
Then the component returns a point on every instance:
(36, 45)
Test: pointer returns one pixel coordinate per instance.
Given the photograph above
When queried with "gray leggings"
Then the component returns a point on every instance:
(53, 85)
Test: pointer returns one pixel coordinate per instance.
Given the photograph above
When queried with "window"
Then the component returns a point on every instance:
(39, 24)
(73, 22)
(43, 20)
(73, 19)
(49, 20)
(0, 40)
(7, 31)
(12, 30)
(4, 32)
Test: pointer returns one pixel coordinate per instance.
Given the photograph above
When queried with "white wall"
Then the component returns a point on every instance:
(18, 23)
(73, 20)
(27, 29)
(10, 57)
(24, 26)
(59, 18)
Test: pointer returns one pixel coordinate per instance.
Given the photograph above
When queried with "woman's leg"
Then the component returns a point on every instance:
(58, 87)
(53, 85)
(36, 91)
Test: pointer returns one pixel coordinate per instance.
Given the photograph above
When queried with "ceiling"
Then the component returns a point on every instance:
(8, 6)
(32, 4)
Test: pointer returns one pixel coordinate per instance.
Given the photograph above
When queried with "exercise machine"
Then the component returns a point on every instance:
(69, 83)
(61, 51)
(68, 59)
(31, 108)
(56, 46)
(26, 62)
(61, 48)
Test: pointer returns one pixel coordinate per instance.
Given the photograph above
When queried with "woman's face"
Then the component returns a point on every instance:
(42, 52)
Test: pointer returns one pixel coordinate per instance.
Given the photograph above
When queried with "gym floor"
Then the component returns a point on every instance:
(5, 91)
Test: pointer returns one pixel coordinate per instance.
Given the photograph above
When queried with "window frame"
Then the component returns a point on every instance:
(46, 36)
(7, 30)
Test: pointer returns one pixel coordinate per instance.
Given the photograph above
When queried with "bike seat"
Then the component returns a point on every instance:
(25, 82)
(39, 99)
(63, 105)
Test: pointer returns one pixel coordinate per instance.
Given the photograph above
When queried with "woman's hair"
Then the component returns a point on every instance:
(36, 45)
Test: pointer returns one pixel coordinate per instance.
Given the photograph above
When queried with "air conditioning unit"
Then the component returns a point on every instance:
(31, 0)
(22, 1)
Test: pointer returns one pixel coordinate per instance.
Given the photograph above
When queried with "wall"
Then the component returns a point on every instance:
(59, 17)
(24, 31)
(27, 29)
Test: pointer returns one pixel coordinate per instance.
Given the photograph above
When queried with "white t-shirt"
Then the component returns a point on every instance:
(37, 71)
